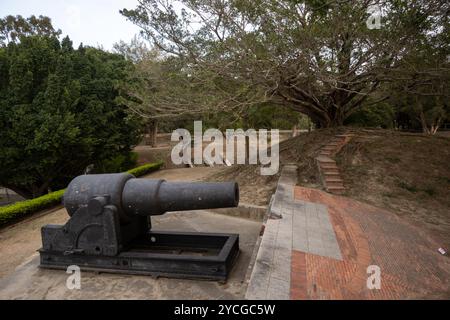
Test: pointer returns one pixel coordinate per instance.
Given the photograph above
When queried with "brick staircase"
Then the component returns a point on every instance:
(328, 169)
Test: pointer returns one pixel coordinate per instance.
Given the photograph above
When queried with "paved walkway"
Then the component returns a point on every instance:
(319, 246)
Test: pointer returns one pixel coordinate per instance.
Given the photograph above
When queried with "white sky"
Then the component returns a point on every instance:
(93, 22)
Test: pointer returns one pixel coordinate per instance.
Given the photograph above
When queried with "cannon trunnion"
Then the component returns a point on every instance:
(109, 229)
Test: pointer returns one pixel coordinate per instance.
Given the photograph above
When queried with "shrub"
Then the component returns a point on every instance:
(145, 169)
(119, 163)
(379, 115)
(23, 208)
(20, 209)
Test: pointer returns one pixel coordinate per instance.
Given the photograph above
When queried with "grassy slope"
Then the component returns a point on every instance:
(407, 173)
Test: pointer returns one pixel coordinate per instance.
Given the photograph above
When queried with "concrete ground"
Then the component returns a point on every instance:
(20, 277)
(30, 282)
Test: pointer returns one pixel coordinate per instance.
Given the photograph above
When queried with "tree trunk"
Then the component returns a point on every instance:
(323, 116)
(294, 131)
(424, 124)
(331, 118)
(152, 132)
(336, 122)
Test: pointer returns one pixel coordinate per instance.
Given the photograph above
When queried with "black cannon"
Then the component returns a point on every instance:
(109, 229)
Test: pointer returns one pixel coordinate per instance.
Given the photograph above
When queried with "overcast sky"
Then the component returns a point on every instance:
(93, 22)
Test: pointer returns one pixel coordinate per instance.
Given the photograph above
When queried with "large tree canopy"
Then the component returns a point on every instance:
(318, 57)
(59, 112)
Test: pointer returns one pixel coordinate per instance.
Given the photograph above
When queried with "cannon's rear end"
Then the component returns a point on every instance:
(110, 228)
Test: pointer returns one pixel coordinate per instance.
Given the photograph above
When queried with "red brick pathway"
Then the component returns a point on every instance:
(411, 267)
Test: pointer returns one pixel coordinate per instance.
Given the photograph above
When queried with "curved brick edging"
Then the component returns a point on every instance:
(328, 169)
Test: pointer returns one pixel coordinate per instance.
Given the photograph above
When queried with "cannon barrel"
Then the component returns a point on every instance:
(154, 197)
(145, 197)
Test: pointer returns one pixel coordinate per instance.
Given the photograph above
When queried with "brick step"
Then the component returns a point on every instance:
(333, 189)
(341, 187)
(328, 174)
(336, 191)
(332, 163)
(332, 184)
(329, 148)
(325, 153)
(330, 171)
(328, 165)
(325, 160)
(329, 181)
(347, 135)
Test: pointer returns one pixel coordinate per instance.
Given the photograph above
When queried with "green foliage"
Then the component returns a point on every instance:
(267, 116)
(380, 115)
(257, 117)
(20, 209)
(119, 163)
(59, 113)
(12, 28)
(145, 169)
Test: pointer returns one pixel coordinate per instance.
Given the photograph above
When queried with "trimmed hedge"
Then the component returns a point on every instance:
(145, 169)
(22, 208)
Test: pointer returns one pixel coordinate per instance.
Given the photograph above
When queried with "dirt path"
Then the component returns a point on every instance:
(186, 174)
(21, 240)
